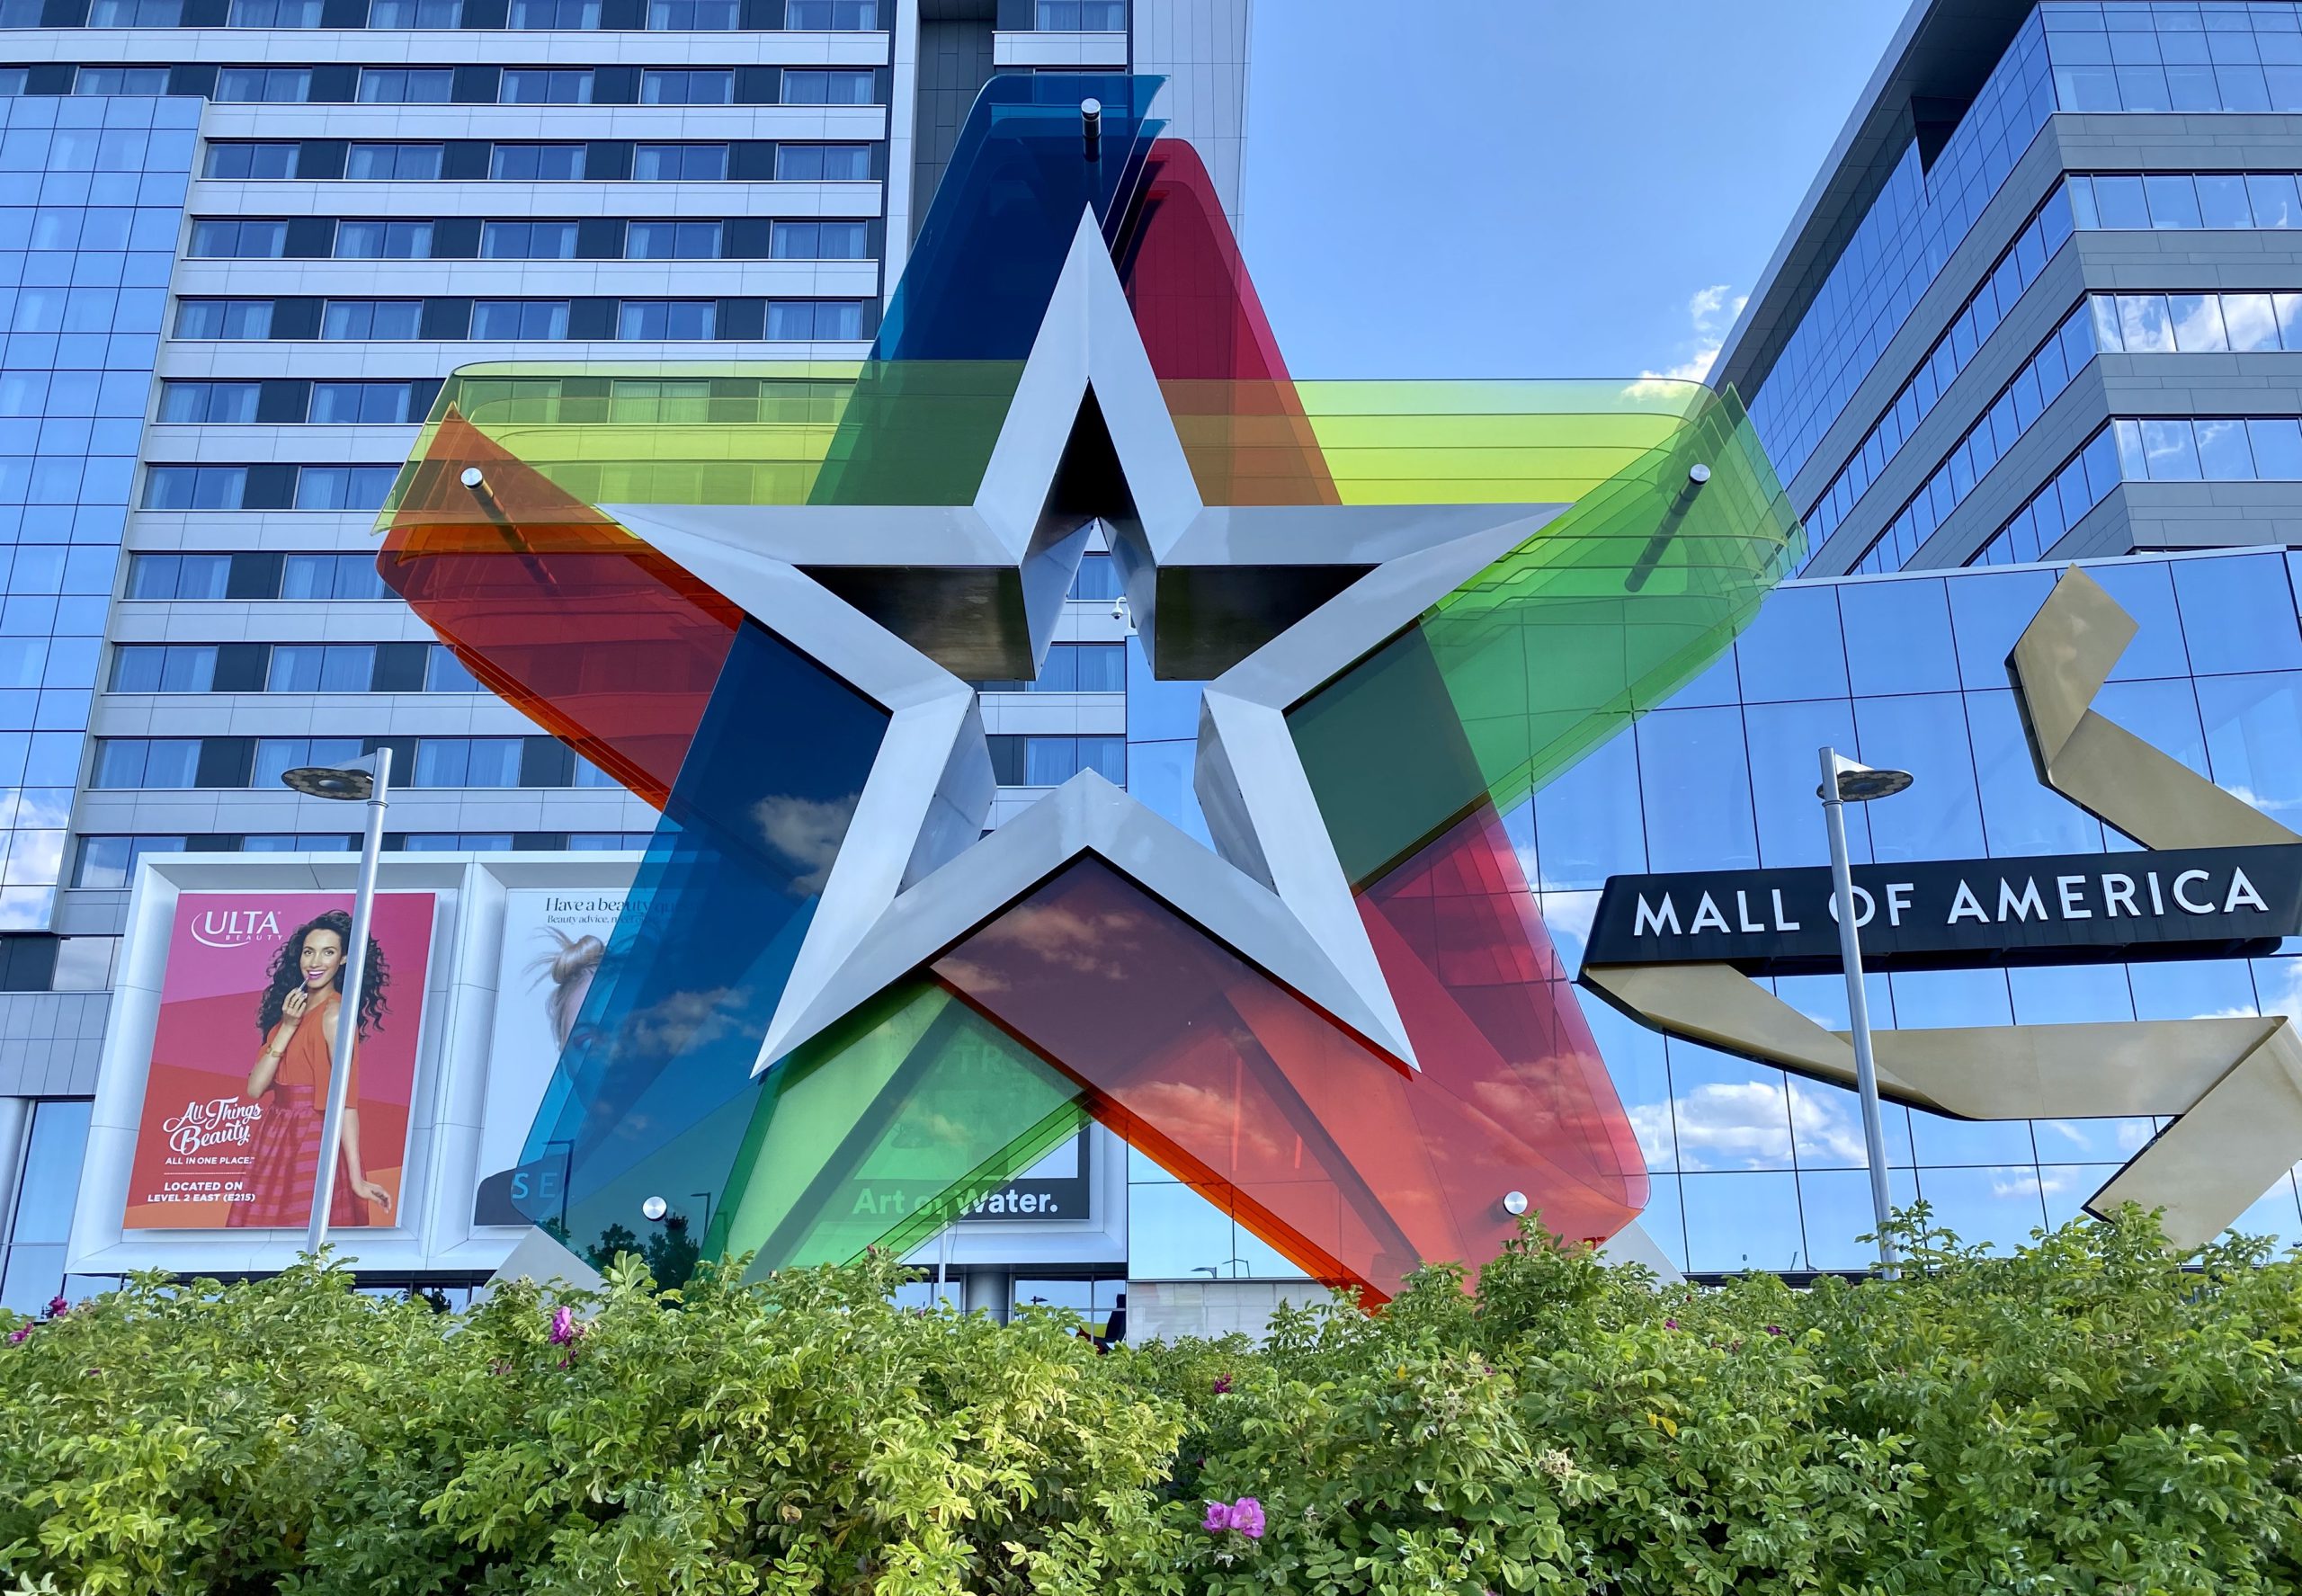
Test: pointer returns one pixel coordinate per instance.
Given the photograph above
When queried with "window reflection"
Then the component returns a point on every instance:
(1741, 1222)
(2254, 739)
(1696, 786)
(1898, 637)
(1927, 736)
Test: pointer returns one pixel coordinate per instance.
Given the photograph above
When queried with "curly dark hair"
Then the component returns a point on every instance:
(287, 974)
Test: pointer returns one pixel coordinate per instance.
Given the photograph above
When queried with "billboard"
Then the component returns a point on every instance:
(228, 1135)
(554, 939)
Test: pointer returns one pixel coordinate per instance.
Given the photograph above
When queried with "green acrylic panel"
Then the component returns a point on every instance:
(887, 1129)
(1611, 607)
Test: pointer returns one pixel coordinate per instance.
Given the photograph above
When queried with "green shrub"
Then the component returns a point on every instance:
(2085, 1416)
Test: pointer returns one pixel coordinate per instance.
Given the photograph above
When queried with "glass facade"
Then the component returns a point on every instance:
(1897, 250)
(91, 197)
(1754, 1168)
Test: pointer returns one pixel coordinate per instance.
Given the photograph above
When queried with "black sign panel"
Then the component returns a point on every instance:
(2074, 908)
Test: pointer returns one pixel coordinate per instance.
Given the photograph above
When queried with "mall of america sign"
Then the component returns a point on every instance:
(2215, 878)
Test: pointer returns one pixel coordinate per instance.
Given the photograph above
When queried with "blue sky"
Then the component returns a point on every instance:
(1533, 188)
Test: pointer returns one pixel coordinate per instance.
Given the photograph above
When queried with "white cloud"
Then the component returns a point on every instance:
(1710, 316)
(807, 832)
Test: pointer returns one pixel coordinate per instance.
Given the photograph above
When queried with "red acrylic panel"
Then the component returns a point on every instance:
(1350, 1165)
(1234, 407)
(1513, 1082)
(586, 630)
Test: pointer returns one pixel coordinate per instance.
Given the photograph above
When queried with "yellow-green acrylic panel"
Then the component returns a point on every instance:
(887, 1128)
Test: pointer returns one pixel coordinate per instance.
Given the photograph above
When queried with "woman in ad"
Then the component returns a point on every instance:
(298, 1015)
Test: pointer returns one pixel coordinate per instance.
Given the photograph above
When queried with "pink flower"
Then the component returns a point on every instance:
(1245, 1515)
(17, 1337)
(1670, 1324)
(564, 1328)
(1774, 1329)
(58, 1307)
(1222, 1384)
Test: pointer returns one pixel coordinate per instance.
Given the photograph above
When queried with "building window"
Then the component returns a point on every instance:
(1081, 16)
(163, 667)
(365, 321)
(258, 161)
(122, 80)
(385, 404)
(321, 667)
(194, 488)
(415, 13)
(1097, 579)
(126, 763)
(395, 163)
(687, 88)
(223, 240)
(344, 487)
(383, 241)
(800, 320)
(178, 576)
(1072, 667)
(233, 402)
(331, 576)
(275, 14)
(834, 86)
(527, 241)
(111, 861)
(536, 86)
(536, 163)
(820, 241)
(297, 842)
(672, 241)
(467, 762)
(276, 756)
(265, 85)
(832, 17)
(680, 163)
(514, 319)
(692, 16)
(444, 673)
(665, 320)
(222, 319)
(136, 14)
(569, 15)
(47, 1184)
(406, 85)
(822, 162)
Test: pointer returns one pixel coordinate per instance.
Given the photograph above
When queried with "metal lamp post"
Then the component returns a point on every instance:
(1846, 782)
(363, 781)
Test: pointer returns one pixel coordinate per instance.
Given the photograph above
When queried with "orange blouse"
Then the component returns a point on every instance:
(306, 1061)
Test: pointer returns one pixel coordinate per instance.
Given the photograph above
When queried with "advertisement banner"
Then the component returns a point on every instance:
(554, 939)
(228, 1138)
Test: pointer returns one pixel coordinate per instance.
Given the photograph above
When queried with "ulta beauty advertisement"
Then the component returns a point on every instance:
(250, 1008)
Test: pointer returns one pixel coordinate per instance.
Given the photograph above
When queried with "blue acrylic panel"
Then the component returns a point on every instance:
(651, 1094)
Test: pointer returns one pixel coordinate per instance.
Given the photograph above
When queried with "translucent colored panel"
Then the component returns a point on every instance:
(1607, 609)
(653, 1092)
(885, 1130)
(1247, 1093)
(1512, 1094)
(578, 625)
(994, 243)
(1241, 421)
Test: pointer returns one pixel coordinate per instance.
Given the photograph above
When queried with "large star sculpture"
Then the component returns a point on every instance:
(1363, 1050)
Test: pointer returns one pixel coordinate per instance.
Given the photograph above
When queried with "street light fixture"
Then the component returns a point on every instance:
(1846, 782)
(363, 781)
